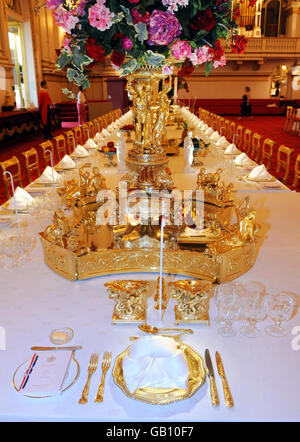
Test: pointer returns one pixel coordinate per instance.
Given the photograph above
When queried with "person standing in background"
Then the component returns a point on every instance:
(246, 106)
(81, 110)
(44, 104)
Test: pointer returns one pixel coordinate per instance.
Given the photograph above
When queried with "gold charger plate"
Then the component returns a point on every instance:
(259, 180)
(5, 207)
(71, 377)
(164, 396)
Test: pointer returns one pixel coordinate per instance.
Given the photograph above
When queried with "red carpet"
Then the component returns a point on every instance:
(273, 127)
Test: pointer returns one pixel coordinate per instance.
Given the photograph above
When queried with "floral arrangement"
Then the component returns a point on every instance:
(138, 32)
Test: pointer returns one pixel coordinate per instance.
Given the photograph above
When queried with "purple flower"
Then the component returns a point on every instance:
(163, 28)
(54, 4)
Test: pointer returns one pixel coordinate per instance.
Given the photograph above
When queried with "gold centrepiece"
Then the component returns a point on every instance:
(78, 246)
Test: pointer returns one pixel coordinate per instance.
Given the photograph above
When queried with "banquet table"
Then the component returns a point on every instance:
(263, 372)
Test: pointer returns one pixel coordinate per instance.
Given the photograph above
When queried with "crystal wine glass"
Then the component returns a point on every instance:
(228, 304)
(254, 310)
(280, 307)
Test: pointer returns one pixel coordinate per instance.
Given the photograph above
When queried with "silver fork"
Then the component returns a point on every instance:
(106, 362)
(92, 367)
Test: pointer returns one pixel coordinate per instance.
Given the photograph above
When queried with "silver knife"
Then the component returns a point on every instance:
(75, 347)
(211, 375)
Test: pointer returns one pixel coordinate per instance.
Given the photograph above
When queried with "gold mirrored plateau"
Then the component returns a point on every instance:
(192, 301)
(82, 247)
(164, 396)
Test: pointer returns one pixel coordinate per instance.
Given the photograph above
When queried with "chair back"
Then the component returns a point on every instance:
(256, 148)
(85, 130)
(78, 135)
(238, 138)
(11, 165)
(267, 152)
(47, 146)
(247, 141)
(297, 171)
(60, 146)
(283, 161)
(70, 141)
(32, 164)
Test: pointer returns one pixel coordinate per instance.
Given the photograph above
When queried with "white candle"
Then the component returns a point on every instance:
(161, 266)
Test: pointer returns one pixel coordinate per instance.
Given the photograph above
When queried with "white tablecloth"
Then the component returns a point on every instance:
(263, 373)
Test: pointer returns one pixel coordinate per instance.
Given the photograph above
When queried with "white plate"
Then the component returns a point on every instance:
(70, 379)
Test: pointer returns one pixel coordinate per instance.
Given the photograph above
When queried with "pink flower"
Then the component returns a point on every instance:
(172, 5)
(181, 49)
(200, 55)
(167, 70)
(134, 1)
(220, 63)
(126, 43)
(163, 28)
(65, 19)
(100, 16)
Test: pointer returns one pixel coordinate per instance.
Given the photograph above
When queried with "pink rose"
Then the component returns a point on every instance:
(181, 49)
(163, 28)
(126, 43)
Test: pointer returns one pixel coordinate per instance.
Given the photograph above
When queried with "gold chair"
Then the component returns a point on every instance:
(78, 135)
(31, 164)
(47, 146)
(97, 127)
(239, 136)
(85, 131)
(70, 141)
(256, 149)
(283, 161)
(90, 125)
(60, 146)
(232, 128)
(267, 152)
(247, 141)
(297, 171)
(227, 129)
(221, 126)
(11, 165)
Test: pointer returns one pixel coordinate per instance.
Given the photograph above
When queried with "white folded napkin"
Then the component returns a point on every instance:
(80, 151)
(66, 163)
(23, 199)
(243, 160)
(215, 136)
(105, 133)
(48, 175)
(209, 131)
(260, 172)
(222, 142)
(156, 362)
(90, 144)
(48, 373)
(231, 149)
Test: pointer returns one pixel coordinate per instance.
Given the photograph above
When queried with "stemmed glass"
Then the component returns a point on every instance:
(228, 305)
(280, 307)
(253, 310)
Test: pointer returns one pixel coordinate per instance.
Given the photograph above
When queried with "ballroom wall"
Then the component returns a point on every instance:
(42, 38)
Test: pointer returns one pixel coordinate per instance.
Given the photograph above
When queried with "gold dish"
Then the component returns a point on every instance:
(259, 180)
(164, 396)
(12, 210)
(73, 368)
